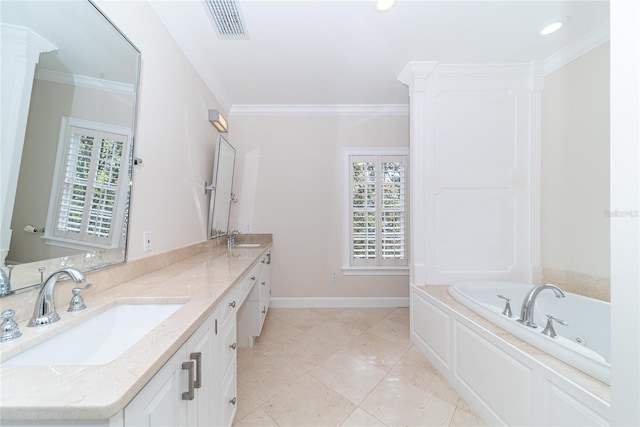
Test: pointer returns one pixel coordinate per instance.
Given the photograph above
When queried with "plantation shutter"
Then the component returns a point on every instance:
(378, 210)
(90, 186)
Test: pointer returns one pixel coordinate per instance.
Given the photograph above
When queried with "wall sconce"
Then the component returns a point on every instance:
(216, 119)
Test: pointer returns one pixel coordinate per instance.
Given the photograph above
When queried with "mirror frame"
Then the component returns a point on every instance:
(217, 194)
(26, 275)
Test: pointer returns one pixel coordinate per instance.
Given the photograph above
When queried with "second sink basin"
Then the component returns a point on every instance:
(99, 340)
(248, 245)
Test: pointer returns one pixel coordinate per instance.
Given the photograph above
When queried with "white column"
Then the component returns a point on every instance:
(21, 50)
(415, 76)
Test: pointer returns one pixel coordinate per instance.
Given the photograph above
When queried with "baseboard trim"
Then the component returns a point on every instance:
(347, 302)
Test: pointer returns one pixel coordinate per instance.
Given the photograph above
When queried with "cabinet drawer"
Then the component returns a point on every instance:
(228, 333)
(229, 397)
(229, 305)
(246, 286)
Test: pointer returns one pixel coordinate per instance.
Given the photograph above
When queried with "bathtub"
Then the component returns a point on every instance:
(584, 343)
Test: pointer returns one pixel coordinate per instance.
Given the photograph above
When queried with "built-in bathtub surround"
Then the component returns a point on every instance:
(579, 283)
(505, 379)
(583, 338)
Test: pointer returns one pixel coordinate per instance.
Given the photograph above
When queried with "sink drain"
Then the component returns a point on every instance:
(580, 340)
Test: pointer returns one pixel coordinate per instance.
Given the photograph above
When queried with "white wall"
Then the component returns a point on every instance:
(575, 166)
(289, 183)
(174, 137)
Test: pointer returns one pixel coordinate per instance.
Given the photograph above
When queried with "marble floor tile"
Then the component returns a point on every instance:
(399, 404)
(376, 350)
(301, 318)
(360, 418)
(308, 402)
(263, 374)
(349, 375)
(257, 418)
(362, 318)
(414, 369)
(277, 331)
(306, 351)
(392, 330)
(334, 332)
(343, 367)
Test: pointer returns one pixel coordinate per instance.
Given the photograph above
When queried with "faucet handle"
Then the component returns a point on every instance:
(9, 329)
(507, 306)
(548, 329)
(77, 302)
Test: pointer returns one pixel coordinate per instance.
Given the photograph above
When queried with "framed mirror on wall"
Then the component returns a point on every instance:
(222, 187)
(70, 87)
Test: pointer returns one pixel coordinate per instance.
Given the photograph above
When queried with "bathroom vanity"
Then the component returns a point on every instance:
(183, 372)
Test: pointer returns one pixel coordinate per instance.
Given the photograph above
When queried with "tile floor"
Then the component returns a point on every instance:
(342, 368)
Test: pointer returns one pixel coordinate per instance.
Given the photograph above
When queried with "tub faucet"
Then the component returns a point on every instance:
(526, 313)
(45, 308)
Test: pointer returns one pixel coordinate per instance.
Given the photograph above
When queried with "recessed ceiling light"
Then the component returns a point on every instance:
(554, 25)
(383, 5)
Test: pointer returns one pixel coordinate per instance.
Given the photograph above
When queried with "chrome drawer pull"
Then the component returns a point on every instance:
(198, 358)
(233, 346)
(188, 395)
(233, 401)
(232, 304)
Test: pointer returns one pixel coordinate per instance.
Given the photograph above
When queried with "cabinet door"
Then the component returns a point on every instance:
(160, 402)
(200, 350)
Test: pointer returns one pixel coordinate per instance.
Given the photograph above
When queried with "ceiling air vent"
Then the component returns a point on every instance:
(227, 18)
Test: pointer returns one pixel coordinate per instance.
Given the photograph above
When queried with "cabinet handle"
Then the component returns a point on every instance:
(232, 304)
(233, 401)
(269, 258)
(264, 283)
(264, 309)
(253, 278)
(233, 346)
(198, 358)
(188, 395)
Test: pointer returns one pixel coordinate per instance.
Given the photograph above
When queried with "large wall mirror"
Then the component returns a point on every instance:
(69, 90)
(221, 196)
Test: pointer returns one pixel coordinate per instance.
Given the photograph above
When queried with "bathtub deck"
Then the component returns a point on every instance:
(596, 387)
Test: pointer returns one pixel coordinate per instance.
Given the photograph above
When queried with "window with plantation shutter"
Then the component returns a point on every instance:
(90, 180)
(376, 211)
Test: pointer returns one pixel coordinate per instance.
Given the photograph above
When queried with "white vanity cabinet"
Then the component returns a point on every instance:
(253, 311)
(210, 353)
(181, 391)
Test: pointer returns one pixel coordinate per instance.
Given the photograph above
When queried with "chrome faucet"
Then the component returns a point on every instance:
(232, 237)
(45, 308)
(526, 313)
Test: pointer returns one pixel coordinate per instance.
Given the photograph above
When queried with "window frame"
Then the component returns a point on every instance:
(347, 267)
(85, 243)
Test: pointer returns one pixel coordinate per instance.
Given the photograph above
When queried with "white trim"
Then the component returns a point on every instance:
(349, 270)
(344, 302)
(578, 48)
(320, 110)
(84, 81)
(346, 168)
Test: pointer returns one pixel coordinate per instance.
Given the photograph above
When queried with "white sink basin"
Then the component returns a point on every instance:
(248, 245)
(100, 339)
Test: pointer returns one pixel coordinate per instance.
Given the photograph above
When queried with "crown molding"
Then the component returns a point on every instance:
(84, 81)
(589, 41)
(320, 110)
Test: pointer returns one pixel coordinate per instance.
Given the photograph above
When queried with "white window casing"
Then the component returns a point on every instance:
(90, 180)
(375, 211)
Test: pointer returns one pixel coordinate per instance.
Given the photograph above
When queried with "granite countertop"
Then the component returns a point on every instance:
(100, 392)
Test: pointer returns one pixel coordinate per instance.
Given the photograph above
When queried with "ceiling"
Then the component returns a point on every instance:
(347, 52)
